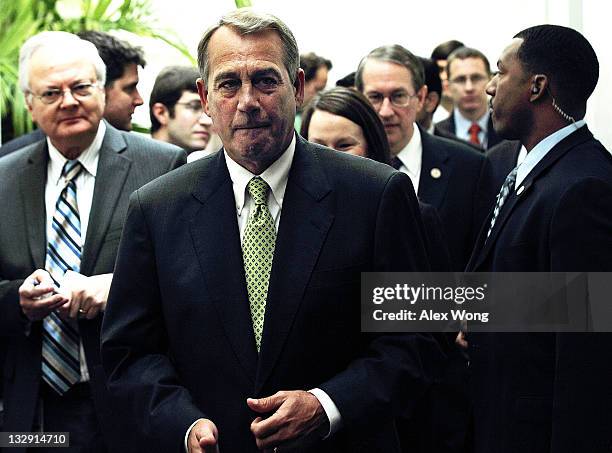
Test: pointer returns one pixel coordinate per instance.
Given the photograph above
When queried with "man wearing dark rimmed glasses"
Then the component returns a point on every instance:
(175, 109)
(66, 197)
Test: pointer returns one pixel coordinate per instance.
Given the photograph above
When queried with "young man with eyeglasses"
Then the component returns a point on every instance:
(175, 109)
(468, 72)
(66, 196)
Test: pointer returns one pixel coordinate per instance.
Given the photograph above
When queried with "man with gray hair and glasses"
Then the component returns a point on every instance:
(445, 174)
(242, 333)
(64, 199)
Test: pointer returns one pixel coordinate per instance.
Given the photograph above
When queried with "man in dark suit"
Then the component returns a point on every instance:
(202, 350)
(122, 97)
(503, 157)
(468, 71)
(446, 174)
(432, 100)
(59, 239)
(546, 392)
(449, 176)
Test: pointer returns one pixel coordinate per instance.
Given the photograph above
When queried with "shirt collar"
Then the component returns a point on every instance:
(276, 175)
(411, 154)
(463, 124)
(541, 149)
(88, 158)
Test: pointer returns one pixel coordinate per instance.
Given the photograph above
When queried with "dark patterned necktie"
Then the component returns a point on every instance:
(396, 163)
(507, 186)
(60, 349)
(258, 253)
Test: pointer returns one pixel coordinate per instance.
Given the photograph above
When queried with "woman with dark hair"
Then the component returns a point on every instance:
(343, 119)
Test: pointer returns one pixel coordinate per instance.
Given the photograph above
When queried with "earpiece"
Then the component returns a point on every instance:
(535, 90)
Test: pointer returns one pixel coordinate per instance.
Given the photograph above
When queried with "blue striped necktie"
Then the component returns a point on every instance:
(61, 341)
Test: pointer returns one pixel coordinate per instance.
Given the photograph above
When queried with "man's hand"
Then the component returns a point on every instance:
(297, 421)
(37, 296)
(87, 295)
(203, 438)
(461, 340)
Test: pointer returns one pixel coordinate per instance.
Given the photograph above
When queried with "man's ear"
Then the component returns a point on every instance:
(298, 86)
(431, 102)
(161, 113)
(539, 86)
(203, 93)
(421, 95)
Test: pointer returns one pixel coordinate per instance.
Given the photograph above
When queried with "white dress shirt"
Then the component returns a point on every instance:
(85, 183)
(276, 175)
(412, 157)
(462, 127)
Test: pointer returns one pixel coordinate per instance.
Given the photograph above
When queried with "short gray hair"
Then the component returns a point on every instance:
(246, 21)
(398, 55)
(57, 39)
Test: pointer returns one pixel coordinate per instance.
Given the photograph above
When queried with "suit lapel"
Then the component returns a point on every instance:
(112, 171)
(558, 151)
(435, 172)
(216, 239)
(32, 187)
(305, 221)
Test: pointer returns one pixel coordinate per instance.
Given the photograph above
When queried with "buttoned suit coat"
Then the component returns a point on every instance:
(541, 392)
(448, 126)
(503, 158)
(126, 162)
(178, 340)
(456, 180)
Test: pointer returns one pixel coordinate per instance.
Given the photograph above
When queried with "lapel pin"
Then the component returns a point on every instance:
(520, 190)
(435, 173)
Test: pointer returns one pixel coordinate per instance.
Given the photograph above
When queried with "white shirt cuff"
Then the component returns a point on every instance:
(331, 410)
(189, 431)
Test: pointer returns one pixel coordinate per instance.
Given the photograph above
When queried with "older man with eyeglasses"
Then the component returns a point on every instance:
(454, 179)
(175, 109)
(64, 199)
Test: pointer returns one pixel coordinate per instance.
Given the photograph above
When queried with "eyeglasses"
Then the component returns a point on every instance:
(397, 99)
(80, 92)
(476, 79)
(194, 106)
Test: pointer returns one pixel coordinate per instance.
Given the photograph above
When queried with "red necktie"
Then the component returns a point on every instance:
(473, 131)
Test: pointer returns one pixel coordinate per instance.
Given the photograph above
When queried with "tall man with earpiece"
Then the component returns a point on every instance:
(545, 392)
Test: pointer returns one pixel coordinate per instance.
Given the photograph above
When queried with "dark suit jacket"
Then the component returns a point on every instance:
(436, 244)
(448, 126)
(548, 392)
(461, 194)
(503, 158)
(178, 341)
(127, 161)
(21, 142)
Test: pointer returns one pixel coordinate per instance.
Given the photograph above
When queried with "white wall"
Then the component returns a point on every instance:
(345, 31)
